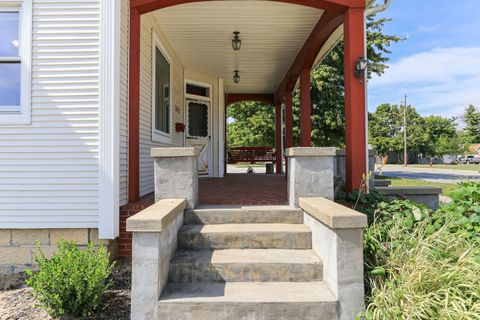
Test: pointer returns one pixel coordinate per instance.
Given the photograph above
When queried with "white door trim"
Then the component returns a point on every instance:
(201, 99)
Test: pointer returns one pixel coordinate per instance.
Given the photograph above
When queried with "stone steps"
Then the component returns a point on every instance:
(244, 236)
(243, 214)
(247, 301)
(245, 265)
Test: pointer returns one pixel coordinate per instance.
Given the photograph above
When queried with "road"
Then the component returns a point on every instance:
(429, 174)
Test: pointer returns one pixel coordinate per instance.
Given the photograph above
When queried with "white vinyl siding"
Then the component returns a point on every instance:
(124, 45)
(148, 26)
(177, 107)
(49, 169)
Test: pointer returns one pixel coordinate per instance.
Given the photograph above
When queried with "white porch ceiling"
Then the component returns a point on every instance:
(272, 34)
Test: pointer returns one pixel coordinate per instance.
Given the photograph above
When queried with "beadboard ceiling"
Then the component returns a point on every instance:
(272, 34)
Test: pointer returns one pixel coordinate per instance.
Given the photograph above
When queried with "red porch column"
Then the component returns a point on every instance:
(278, 138)
(133, 107)
(288, 120)
(355, 108)
(305, 109)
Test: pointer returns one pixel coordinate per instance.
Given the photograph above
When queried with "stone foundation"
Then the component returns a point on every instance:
(17, 248)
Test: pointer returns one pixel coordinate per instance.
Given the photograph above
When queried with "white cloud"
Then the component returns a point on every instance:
(423, 29)
(438, 65)
(427, 29)
(441, 81)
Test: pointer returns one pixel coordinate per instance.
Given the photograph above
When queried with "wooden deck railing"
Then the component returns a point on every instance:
(251, 154)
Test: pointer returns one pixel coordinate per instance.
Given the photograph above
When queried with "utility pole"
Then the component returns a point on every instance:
(405, 153)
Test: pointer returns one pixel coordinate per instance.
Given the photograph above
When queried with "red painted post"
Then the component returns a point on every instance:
(278, 138)
(355, 112)
(133, 108)
(305, 109)
(288, 120)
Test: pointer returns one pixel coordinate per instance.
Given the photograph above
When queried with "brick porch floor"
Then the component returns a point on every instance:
(244, 189)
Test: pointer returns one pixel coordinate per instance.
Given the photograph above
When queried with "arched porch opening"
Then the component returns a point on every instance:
(334, 14)
(249, 144)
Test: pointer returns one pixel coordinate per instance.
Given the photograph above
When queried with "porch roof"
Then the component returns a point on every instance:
(273, 33)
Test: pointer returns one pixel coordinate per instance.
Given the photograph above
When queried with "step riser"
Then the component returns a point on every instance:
(251, 240)
(248, 311)
(244, 272)
(215, 217)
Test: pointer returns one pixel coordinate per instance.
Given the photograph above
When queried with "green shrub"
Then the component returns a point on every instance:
(363, 202)
(422, 264)
(72, 281)
(392, 226)
(463, 211)
(429, 276)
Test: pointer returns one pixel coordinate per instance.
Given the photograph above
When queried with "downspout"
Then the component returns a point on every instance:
(368, 12)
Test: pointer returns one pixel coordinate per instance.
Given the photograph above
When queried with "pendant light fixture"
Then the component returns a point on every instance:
(236, 42)
(236, 76)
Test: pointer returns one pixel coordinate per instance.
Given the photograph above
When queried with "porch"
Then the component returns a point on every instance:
(202, 251)
(184, 71)
(244, 190)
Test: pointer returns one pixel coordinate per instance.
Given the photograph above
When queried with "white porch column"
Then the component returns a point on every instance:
(310, 173)
(176, 174)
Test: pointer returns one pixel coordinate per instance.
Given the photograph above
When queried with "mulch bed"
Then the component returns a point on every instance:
(19, 304)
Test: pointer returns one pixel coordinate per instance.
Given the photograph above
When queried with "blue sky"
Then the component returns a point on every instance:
(438, 65)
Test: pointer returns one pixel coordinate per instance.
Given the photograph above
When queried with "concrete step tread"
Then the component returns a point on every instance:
(244, 292)
(243, 214)
(242, 256)
(246, 228)
(241, 208)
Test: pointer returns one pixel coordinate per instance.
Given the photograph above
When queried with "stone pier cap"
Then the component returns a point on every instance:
(174, 152)
(310, 152)
(333, 214)
(157, 217)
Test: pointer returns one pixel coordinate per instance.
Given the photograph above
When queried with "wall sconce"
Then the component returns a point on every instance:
(236, 77)
(360, 66)
(236, 42)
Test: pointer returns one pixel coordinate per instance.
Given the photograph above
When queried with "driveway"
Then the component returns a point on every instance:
(429, 174)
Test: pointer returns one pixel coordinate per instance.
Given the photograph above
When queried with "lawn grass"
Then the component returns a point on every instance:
(400, 182)
(469, 167)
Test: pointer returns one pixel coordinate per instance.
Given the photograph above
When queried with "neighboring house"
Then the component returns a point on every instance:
(88, 87)
(449, 159)
(474, 148)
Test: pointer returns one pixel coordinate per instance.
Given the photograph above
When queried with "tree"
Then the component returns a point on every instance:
(327, 86)
(252, 124)
(471, 118)
(327, 92)
(386, 130)
(442, 137)
(432, 136)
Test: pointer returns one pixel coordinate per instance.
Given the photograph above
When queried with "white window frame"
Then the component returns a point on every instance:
(158, 135)
(23, 115)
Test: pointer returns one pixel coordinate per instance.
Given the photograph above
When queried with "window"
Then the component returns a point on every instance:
(15, 29)
(161, 121)
(198, 90)
(197, 119)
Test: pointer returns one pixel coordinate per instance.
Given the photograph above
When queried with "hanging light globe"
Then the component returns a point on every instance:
(236, 42)
(236, 76)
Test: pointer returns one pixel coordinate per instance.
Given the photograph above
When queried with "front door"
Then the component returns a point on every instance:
(198, 133)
